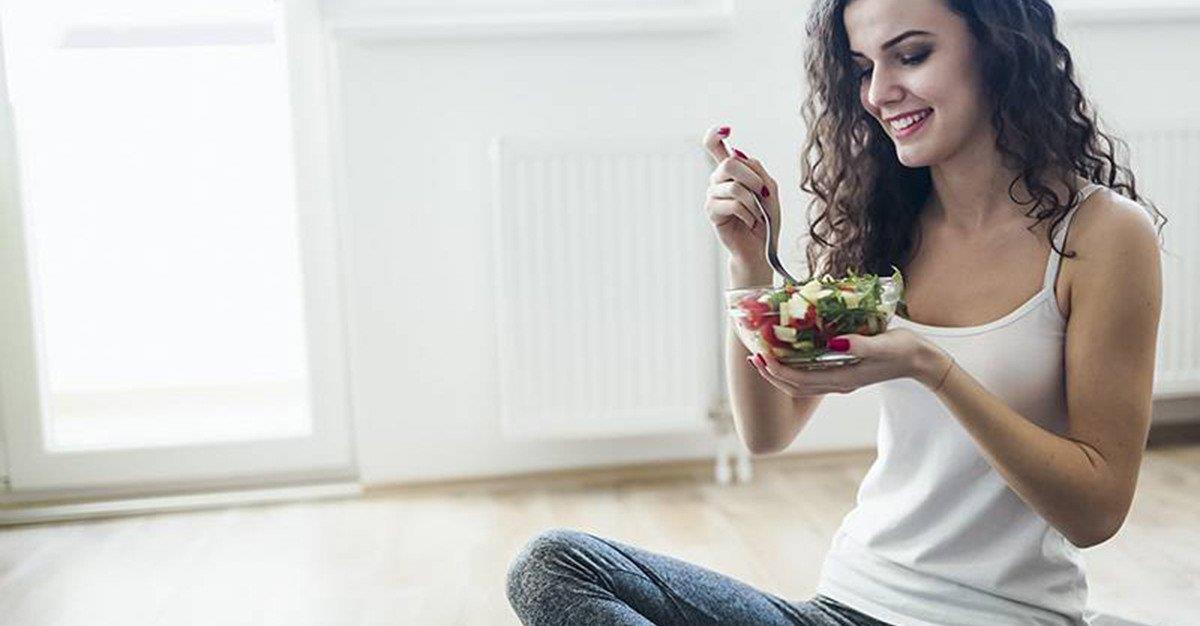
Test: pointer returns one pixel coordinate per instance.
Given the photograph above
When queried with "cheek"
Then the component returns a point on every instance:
(933, 87)
(954, 86)
(980, 104)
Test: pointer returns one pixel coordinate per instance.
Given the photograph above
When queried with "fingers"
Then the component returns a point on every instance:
(790, 390)
(714, 143)
(722, 210)
(797, 382)
(777, 382)
(740, 167)
(761, 184)
(735, 191)
(734, 180)
(740, 186)
(756, 166)
(749, 174)
(737, 169)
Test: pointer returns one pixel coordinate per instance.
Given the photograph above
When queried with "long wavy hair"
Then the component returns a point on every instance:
(867, 202)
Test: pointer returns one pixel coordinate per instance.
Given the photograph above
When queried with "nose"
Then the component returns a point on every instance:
(882, 89)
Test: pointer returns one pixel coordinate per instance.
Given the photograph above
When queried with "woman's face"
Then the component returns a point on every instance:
(932, 72)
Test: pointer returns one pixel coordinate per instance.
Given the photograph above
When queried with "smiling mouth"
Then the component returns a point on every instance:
(908, 125)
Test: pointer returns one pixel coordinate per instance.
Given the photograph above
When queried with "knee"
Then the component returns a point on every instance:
(535, 558)
(542, 549)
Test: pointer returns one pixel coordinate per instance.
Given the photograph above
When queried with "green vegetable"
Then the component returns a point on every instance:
(778, 297)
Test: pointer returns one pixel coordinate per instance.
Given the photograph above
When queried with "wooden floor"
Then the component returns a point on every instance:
(437, 555)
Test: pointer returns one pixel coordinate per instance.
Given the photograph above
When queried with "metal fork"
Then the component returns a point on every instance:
(772, 244)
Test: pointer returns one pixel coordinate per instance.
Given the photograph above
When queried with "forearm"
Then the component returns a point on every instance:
(1064, 480)
(766, 419)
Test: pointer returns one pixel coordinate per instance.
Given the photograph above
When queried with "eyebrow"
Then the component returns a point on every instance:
(895, 40)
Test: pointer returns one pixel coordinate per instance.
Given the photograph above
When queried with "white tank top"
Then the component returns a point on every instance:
(936, 537)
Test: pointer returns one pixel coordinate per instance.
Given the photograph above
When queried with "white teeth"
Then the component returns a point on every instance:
(905, 122)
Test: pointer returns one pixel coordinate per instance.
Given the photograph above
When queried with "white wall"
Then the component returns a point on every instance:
(417, 114)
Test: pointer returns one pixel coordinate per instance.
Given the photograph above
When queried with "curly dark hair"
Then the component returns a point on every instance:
(867, 202)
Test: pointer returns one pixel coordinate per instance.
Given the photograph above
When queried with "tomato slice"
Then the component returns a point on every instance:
(768, 333)
(756, 312)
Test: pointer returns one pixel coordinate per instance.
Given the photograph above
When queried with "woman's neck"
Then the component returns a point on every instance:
(971, 197)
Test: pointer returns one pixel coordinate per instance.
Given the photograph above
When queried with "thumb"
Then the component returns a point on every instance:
(858, 345)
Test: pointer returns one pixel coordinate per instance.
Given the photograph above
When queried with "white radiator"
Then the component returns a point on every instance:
(608, 304)
(1167, 163)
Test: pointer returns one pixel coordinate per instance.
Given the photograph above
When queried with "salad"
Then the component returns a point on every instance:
(796, 321)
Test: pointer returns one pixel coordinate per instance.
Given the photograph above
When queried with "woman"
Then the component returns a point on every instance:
(949, 138)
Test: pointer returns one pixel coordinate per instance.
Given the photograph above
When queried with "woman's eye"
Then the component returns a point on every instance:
(915, 59)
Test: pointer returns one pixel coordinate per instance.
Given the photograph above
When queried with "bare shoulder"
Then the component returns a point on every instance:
(1108, 224)
(1116, 245)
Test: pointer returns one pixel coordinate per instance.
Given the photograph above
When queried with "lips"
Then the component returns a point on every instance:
(889, 120)
(922, 117)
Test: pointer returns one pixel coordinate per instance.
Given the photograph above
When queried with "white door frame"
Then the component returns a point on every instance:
(34, 474)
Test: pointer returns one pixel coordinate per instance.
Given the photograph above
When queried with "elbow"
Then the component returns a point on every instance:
(1098, 533)
(763, 447)
(760, 441)
(1084, 542)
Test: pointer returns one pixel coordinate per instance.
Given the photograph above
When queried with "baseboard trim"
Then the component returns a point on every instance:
(593, 476)
(35, 513)
(1173, 434)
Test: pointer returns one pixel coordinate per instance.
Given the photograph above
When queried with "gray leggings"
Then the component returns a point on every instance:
(565, 576)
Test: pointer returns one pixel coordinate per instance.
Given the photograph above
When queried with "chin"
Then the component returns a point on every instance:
(914, 158)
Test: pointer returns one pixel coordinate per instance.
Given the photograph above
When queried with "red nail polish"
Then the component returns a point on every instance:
(739, 153)
(766, 193)
(839, 344)
(724, 130)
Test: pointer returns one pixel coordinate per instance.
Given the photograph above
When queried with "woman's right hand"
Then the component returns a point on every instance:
(730, 203)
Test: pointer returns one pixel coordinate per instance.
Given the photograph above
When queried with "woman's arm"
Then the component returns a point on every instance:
(1083, 482)
(767, 419)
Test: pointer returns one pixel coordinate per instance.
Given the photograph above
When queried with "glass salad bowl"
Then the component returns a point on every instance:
(796, 320)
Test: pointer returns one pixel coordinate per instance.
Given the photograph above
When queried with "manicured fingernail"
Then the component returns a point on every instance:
(766, 193)
(739, 153)
(724, 130)
(839, 344)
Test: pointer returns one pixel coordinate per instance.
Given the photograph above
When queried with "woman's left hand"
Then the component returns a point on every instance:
(896, 353)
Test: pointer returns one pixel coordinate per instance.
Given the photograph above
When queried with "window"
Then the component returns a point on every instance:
(157, 187)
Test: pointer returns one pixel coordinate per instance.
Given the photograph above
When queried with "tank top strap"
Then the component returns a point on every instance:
(1060, 236)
